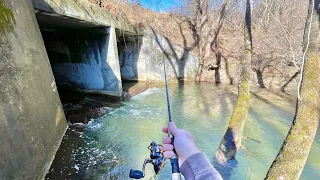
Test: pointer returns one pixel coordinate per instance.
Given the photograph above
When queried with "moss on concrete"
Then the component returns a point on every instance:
(6, 18)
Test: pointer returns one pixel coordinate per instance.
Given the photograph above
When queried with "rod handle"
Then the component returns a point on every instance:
(174, 162)
(174, 165)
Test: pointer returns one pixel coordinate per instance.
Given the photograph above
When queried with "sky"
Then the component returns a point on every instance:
(158, 5)
(164, 5)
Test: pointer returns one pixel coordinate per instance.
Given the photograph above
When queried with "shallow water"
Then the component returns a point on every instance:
(111, 145)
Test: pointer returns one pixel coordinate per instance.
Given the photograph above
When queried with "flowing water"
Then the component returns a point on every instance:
(111, 145)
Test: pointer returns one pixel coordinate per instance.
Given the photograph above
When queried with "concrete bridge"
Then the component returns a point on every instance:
(74, 45)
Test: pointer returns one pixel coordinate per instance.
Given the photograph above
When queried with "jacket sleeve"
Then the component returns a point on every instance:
(198, 167)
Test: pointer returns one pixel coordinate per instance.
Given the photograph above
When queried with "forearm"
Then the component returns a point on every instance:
(198, 167)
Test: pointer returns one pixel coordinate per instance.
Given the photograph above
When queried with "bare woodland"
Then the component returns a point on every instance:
(266, 44)
(213, 31)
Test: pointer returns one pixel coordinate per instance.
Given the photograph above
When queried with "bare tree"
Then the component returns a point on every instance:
(205, 22)
(232, 139)
(293, 154)
(278, 28)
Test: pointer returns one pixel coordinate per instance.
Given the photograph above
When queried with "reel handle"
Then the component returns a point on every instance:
(174, 162)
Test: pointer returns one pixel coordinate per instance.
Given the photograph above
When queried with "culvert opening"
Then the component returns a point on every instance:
(77, 51)
(129, 46)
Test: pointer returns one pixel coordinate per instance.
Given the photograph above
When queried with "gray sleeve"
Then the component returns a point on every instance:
(198, 167)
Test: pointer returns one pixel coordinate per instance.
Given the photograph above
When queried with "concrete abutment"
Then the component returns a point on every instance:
(32, 121)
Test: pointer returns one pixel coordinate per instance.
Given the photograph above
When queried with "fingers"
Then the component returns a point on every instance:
(173, 128)
(166, 140)
(165, 130)
(168, 147)
(168, 154)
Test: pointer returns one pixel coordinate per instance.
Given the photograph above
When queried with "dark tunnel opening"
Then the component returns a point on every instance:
(129, 46)
(128, 50)
(77, 52)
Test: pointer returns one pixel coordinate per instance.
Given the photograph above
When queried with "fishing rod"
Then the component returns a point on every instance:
(156, 150)
(174, 159)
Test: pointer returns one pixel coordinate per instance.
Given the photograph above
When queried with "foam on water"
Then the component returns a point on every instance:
(146, 93)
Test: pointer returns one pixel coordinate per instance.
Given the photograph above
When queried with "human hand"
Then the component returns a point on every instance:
(184, 144)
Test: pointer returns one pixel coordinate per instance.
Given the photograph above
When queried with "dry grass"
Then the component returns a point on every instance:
(170, 25)
(164, 23)
(269, 42)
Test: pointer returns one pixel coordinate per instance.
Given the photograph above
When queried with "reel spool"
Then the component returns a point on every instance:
(156, 159)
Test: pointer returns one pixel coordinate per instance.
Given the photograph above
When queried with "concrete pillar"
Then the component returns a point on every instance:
(111, 69)
(32, 121)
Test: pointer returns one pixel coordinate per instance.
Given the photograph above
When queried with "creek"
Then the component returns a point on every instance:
(109, 146)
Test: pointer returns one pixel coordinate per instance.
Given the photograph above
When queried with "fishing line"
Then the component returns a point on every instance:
(166, 84)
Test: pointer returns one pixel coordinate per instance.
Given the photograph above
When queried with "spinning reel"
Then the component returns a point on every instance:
(156, 150)
(156, 159)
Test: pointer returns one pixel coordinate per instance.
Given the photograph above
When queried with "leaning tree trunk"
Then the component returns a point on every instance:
(294, 151)
(232, 138)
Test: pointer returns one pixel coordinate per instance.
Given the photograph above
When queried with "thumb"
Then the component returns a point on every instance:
(173, 128)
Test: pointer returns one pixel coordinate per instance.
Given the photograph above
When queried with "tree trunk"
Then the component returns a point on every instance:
(206, 40)
(260, 78)
(232, 138)
(293, 154)
(288, 82)
(218, 64)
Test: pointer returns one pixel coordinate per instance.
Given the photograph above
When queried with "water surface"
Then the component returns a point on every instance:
(111, 145)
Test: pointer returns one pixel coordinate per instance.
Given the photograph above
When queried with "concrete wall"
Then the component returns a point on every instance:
(129, 49)
(32, 121)
(84, 61)
(140, 63)
(113, 62)
(181, 64)
(141, 59)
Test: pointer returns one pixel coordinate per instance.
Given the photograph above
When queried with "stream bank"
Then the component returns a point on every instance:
(80, 107)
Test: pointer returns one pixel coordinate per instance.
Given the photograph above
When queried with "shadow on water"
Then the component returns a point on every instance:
(263, 120)
(203, 100)
(228, 99)
(272, 105)
(226, 170)
(257, 138)
(223, 99)
(111, 145)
